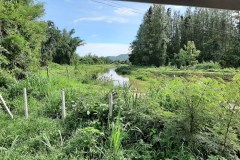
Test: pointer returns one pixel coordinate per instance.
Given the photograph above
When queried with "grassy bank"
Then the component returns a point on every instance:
(176, 118)
(153, 73)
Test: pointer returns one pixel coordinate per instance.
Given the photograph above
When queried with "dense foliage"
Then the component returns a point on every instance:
(173, 118)
(185, 113)
(60, 46)
(26, 42)
(93, 59)
(21, 35)
(163, 35)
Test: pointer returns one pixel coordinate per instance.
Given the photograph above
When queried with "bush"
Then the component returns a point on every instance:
(85, 143)
(6, 80)
(141, 77)
(207, 66)
(36, 86)
(124, 70)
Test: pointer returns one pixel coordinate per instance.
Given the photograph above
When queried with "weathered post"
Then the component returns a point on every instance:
(63, 105)
(5, 106)
(110, 105)
(60, 134)
(25, 103)
(47, 72)
(67, 72)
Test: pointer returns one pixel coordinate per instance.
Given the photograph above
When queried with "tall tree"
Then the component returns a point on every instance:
(66, 48)
(60, 46)
(150, 46)
(159, 35)
(162, 35)
(21, 33)
(141, 47)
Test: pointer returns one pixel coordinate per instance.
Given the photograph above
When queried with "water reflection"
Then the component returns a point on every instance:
(112, 75)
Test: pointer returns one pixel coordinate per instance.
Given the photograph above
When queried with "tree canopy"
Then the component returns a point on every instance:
(26, 41)
(163, 35)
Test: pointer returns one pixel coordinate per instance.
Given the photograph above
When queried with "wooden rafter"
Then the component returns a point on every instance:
(221, 4)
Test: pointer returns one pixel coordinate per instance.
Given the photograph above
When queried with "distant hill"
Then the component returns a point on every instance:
(121, 57)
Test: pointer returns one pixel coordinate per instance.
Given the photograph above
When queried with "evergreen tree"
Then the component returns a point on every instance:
(159, 35)
(162, 35)
(142, 46)
(150, 46)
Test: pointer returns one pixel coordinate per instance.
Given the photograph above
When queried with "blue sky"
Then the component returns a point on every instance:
(107, 27)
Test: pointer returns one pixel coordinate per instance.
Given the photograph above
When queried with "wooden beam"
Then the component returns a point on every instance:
(220, 4)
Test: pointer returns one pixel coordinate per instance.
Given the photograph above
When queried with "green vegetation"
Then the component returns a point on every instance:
(210, 70)
(21, 35)
(59, 46)
(165, 37)
(186, 112)
(174, 118)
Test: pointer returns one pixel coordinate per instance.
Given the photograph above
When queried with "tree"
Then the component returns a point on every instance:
(60, 46)
(188, 55)
(141, 47)
(159, 36)
(66, 48)
(49, 46)
(3, 57)
(150, 46)
(21, 34)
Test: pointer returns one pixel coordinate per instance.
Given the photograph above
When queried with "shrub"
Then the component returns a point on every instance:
(6, 80)
(141, 77)
(207, 66)
(124, 70)
(36, 86)
(85, 143)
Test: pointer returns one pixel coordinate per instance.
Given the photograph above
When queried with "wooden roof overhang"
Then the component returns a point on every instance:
(220, 4)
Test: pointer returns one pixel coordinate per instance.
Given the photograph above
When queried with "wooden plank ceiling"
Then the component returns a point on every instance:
(220, 4)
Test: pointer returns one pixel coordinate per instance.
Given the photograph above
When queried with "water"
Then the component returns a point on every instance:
(112, 75)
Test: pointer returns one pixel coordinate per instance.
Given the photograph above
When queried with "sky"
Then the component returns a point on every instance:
(107, 27)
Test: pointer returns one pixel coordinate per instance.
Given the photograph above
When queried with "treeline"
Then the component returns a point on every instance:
(60, 46)
(26, 42)
(199, 35)
(93, 59)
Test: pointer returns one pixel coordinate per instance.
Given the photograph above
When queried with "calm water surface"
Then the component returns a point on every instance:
(112, 75)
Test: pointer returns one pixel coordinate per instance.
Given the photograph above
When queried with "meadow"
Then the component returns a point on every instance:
(188, 113)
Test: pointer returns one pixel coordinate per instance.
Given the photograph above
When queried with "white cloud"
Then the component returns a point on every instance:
(107, 19)
(125, 12)
(103, 49)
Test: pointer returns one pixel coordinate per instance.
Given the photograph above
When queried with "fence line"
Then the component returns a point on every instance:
(5, 106)
(110, 105)
(63, 105)
(25, 103)
(135, 94)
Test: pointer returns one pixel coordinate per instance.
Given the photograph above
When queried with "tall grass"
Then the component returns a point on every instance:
(116, 139)
(177, 118)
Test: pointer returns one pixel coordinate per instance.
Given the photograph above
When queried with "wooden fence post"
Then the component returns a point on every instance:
(67, 72)
(63, 105)
(25, 102)
(5, 106)
(47, 72)
(110, 105)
